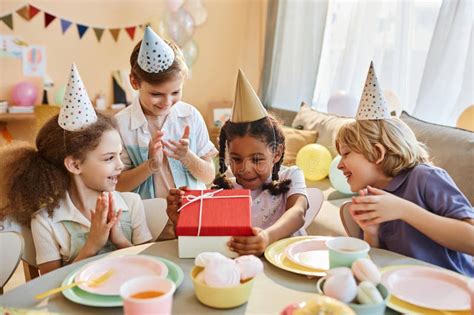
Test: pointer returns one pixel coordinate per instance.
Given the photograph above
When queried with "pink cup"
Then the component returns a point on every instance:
(152, 305)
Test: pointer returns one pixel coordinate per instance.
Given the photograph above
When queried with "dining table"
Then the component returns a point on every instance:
(272, 291)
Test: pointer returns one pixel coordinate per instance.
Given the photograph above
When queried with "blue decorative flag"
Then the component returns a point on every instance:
(82, 29)
(65, 25)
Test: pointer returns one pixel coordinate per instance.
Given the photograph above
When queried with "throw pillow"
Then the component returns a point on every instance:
(326, 125)
(294, 141)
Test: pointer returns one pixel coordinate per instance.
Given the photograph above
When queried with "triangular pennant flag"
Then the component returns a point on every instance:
(131, 31)
(8, 20)
(372, 104)
(33, 11)
(82, 29)
(24, 12)
(48, 18)
(155, 54)
(115, 33)
(98, 33)
(76, 109)
(65, 25)
(247, 106)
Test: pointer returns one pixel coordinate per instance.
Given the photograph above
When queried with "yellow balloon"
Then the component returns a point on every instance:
(314, 160)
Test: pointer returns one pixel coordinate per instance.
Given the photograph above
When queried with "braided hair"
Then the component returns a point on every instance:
(267, 130)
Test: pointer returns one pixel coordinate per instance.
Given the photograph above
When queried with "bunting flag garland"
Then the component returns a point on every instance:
(98, 33)
(24, 12)
(28, 12)
(48, 18)
(131, 31)
(8, 20)
(65, 25)
(81, 29)
(115, 33)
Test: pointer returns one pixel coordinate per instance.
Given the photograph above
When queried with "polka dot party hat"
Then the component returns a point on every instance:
(247, 106)
(155, 54)
(372, 104)
(76, 110)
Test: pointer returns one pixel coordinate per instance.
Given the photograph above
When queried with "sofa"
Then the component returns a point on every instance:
(450, 148)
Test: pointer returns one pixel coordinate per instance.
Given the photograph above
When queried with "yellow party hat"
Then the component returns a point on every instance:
(247, 106)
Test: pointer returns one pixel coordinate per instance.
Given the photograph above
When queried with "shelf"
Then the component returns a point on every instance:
(9, 117)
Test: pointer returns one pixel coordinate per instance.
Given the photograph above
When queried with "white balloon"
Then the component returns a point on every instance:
(343, 104)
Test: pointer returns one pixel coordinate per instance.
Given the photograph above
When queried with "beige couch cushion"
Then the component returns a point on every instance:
(450, 148)
(326, 125)
(294, 140)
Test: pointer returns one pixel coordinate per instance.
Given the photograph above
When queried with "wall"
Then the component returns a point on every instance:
(231, 38)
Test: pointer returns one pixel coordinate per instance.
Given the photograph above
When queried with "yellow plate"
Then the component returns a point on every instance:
(408, 308)
(275, 254)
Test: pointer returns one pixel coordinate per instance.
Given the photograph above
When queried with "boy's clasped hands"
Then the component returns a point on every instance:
(177, 150)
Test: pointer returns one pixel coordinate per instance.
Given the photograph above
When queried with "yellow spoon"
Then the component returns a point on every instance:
(93, 283)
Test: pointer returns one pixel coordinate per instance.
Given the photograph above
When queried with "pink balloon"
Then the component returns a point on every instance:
(342, 104)
(24, 94)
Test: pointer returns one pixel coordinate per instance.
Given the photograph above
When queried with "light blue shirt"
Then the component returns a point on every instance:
(136, 136)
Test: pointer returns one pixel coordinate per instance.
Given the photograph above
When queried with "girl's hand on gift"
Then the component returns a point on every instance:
(155, 153)
(174, 201)
(178, 150)
(116, 233)
(100, 226)
(250, 245)
(378, 207)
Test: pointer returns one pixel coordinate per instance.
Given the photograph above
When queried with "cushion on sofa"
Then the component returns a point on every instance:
(450, 148)
(294, 140)
(326, 125)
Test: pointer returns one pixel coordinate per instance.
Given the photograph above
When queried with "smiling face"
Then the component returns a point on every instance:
(101, 166)
(251, 161)
(359, 171)
(157, 99)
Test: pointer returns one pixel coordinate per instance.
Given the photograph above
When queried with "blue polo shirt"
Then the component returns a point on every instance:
(434, 190)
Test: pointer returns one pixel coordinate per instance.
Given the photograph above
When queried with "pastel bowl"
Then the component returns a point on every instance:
(221, 297)
(362, 309)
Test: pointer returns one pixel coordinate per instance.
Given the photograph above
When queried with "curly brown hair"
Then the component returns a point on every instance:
(33, 179)
(178, 68)
(267, 130)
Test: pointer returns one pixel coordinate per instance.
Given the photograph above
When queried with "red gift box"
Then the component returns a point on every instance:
(224, 213)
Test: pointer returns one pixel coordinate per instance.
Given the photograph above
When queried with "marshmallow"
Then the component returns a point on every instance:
(367, 293)
(222, 274)
(342, 287)
(365, 270)
(203, 259)
(249, 266)
(339, 271)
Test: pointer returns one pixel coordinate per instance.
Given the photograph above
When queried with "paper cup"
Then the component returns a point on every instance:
(140, 295)
(343, 251)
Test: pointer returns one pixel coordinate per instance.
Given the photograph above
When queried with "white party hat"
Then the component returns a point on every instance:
(155, 54)
(247, 106)
(76, 110)
(372, 104)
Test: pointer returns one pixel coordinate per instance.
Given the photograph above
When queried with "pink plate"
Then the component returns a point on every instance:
(311, 253)
(428, 287)
(123, 268)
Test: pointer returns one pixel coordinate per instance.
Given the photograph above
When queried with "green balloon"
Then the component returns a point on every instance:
(59, 96)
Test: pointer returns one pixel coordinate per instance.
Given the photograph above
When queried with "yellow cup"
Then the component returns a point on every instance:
(221, 297)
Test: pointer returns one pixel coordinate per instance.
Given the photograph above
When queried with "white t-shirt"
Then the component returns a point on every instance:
(52, 240)
(267, 209)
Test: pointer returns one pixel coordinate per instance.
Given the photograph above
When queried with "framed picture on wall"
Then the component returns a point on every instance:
(219, 112)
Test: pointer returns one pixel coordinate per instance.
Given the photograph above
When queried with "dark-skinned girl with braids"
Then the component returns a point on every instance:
(255, 146)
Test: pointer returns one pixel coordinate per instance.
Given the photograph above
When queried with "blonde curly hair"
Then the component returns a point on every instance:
(403, 150)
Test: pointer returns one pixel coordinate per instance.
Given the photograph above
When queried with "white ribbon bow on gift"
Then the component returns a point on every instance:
(208, 195)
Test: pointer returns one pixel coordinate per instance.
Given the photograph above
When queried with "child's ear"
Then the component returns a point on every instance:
(381, 152)
(278, 154)
(134, 82)
(72, 165)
